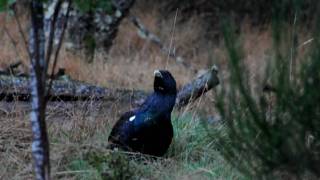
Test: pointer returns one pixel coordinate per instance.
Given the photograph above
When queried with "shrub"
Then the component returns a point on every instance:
(275, 132)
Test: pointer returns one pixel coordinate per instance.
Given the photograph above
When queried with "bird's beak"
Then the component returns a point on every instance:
(157, 73)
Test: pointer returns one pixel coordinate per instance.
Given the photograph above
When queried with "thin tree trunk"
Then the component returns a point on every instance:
(40, 144)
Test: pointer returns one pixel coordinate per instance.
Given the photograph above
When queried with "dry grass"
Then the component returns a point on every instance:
(78, 134)
(75, 129)
(131, 61)
(71, 127)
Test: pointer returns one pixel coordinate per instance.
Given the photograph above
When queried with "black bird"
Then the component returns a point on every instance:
(148, 129)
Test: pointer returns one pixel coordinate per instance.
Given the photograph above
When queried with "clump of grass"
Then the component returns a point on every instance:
(190, 138)
(192, 155)
(105, 165)
(194, 147)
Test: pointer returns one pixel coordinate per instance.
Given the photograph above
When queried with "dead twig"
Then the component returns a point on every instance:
(24, 39)
(144, 33)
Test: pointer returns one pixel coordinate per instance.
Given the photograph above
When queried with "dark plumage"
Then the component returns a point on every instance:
(148, 129)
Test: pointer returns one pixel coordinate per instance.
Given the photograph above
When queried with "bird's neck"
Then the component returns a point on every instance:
(160, 102)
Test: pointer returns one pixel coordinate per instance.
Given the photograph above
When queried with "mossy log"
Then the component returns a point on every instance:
(197, 87)
(65, 89)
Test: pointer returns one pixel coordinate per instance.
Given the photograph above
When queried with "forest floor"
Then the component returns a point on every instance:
(78, 131)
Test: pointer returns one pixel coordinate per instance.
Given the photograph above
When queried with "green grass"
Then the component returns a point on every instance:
(192, 155)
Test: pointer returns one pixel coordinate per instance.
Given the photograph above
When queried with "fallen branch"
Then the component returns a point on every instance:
(66, 89)
(17, 88)
(196, 88)
(144, 33)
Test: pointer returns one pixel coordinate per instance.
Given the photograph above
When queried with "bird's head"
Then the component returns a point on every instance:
(164, 82)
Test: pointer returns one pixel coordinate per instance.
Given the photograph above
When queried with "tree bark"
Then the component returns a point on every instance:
(40, 144)
(196, 88)
(95, 29)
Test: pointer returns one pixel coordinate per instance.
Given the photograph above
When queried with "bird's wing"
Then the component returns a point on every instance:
(121, 128)
(129, 125)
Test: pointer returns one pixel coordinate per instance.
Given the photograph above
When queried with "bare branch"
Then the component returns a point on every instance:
(13, 42)
(55, 60)
(24, 39)
(144, 33)
(52, 30)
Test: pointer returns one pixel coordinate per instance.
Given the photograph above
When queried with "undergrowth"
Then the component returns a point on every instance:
(192, 155)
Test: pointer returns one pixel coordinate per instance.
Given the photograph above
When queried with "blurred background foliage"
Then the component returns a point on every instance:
(273, 131)
(255, 12)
